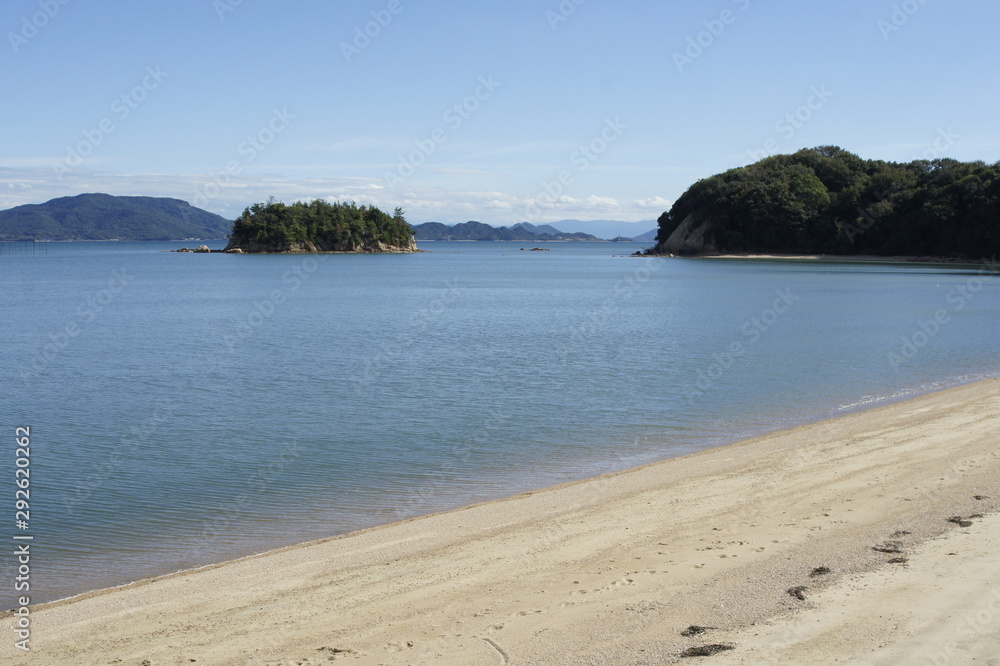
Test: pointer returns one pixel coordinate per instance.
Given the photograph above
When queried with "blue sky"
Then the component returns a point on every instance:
(529, 110)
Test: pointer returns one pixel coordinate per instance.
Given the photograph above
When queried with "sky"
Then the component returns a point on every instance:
(527, 110)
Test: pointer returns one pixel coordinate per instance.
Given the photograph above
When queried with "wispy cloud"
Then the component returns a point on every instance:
(422, 204)
(658, 203)
(458, 171)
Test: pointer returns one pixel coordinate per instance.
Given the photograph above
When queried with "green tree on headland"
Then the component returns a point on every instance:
(320, 226)
(828, 201)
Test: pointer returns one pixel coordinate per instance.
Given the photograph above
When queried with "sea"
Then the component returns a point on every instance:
(180, 409)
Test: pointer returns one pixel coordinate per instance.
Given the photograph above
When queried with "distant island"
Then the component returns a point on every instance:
(103, 217)
(319, 226)
(477, 231)
(92, 217)
(829, 201)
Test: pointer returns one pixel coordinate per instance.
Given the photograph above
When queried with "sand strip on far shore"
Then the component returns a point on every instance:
(826, 543)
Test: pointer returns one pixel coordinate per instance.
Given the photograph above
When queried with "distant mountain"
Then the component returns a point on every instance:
(477, 231)
(107, 217)
(540, 229)
(647, 237)
(606, 228)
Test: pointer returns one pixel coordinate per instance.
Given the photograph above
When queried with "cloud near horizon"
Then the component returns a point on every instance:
(228, 196)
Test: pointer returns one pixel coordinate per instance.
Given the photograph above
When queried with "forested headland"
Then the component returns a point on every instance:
(827, 200)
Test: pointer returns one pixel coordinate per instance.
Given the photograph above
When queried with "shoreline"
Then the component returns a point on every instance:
(527, 488)
(566, 532)
(830, 258)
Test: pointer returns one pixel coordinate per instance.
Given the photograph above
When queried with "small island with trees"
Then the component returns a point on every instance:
(828, 201)
(319, 226)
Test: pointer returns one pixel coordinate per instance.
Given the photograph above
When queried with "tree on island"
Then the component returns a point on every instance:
(827, 200)
(319, 226)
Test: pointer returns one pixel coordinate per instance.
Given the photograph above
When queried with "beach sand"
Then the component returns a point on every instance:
(611, 570)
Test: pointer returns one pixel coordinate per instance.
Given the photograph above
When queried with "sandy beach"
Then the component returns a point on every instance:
(828, 543)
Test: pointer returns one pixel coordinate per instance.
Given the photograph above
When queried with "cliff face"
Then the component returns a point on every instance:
(688, 238)
(237, 246)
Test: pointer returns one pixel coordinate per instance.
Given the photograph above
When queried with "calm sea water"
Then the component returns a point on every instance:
(187, 408)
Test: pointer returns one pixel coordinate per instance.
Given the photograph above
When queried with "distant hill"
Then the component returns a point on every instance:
(107, 217)
(539, 229)
(647, 237)
(606, 228)
(477, 231)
